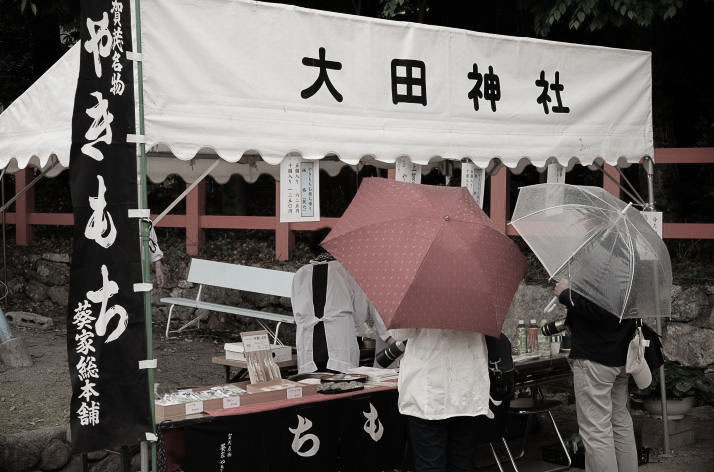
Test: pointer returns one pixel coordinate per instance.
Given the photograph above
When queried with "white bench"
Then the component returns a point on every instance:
(237, 277)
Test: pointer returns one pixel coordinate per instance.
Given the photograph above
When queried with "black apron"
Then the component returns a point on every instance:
(319, 296)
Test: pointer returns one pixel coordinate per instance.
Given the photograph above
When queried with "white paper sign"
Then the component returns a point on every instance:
(194, 407)
(654, 218)
(231, 402)
(473, 178)
(407, 172)
(556, 174)
(256, 342)
(294, 392)
(299, 190)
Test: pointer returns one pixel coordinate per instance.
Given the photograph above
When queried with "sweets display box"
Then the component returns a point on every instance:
(235, 352)
(183, 405)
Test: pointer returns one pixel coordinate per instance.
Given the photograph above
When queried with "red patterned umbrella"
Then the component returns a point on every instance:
(427, 257)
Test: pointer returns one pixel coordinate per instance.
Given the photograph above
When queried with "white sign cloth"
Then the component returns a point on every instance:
(238, 75)
(229, 76)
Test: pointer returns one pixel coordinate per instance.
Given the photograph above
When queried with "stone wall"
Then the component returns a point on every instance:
(688, 334)
(42, 282)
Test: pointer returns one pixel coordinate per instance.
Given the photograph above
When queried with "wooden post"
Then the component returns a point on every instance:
(195, 208)
(23, 207)
(500, 197)
(609, 185)
(284, 237)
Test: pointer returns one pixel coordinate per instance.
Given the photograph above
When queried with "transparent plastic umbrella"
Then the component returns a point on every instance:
(607, 250)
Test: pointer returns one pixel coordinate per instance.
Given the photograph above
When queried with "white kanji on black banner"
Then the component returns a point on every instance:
(106, 328)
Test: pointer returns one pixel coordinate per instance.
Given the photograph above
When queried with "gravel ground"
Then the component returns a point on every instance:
(38, 396)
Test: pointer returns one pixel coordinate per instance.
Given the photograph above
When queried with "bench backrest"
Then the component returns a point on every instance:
(239, 277)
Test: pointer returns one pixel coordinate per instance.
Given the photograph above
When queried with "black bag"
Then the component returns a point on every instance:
(653, 351)
(500, 367)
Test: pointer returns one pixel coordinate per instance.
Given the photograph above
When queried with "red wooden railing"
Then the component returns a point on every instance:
(195, 221)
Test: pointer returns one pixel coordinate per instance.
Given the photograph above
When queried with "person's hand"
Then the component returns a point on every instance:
(563, 284)
(160, 278)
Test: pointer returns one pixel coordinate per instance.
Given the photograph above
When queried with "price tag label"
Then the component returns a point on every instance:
(231, 402)
(294, 392)
(256, 342)
(194, 407)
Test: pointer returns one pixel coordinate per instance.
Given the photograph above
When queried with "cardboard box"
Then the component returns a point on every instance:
(234, 352)
(182, 409)
(276, 390)
(257, 393)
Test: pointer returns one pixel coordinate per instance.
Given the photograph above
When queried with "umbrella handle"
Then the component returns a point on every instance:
(551, 305)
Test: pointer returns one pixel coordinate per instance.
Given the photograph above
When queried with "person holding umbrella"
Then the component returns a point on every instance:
(443, 385)
(597, 358)
(612, 269)
(441, 276)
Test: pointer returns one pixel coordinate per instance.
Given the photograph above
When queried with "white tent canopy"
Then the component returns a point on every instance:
(228, 77)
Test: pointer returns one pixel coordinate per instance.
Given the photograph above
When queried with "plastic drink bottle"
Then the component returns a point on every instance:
(533, 337)
(522, 334)
(543, 340)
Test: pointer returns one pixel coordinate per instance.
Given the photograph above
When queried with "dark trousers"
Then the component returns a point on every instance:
(442, 445)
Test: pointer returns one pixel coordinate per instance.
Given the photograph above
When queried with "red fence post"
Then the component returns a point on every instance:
(609, 185)
(195, 208)
(500, 197)
(391, 173)
(23, 207)
(284, 237)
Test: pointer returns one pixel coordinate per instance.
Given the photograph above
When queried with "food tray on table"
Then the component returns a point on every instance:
(342, 377)
(331, 387)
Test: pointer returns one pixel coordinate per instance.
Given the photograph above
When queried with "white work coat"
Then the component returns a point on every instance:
(347, 309)
(155, 250)
(443, 373)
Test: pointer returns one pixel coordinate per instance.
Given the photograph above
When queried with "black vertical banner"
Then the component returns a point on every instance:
(106, 335)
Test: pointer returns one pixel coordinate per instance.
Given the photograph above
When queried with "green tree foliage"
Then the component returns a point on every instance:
(593, 15)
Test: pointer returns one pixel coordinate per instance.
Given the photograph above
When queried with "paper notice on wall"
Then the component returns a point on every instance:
(556, 174)
(473, 178)
(654, 218)
(299, 190)
(407, 172)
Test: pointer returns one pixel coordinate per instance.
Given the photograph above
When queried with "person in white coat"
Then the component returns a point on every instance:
(443, 385)
(156, 255)
(330, 311)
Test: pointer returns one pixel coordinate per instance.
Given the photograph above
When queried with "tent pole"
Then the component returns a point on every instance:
(22, 192)
(4, 243)
(185, 192)
(649, 168)
(145, 259)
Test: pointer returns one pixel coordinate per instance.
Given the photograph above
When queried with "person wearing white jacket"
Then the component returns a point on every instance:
(330, 311)
(443, 385)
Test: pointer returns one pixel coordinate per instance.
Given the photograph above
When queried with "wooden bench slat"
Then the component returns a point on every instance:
(190, 302)
(240, 277)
